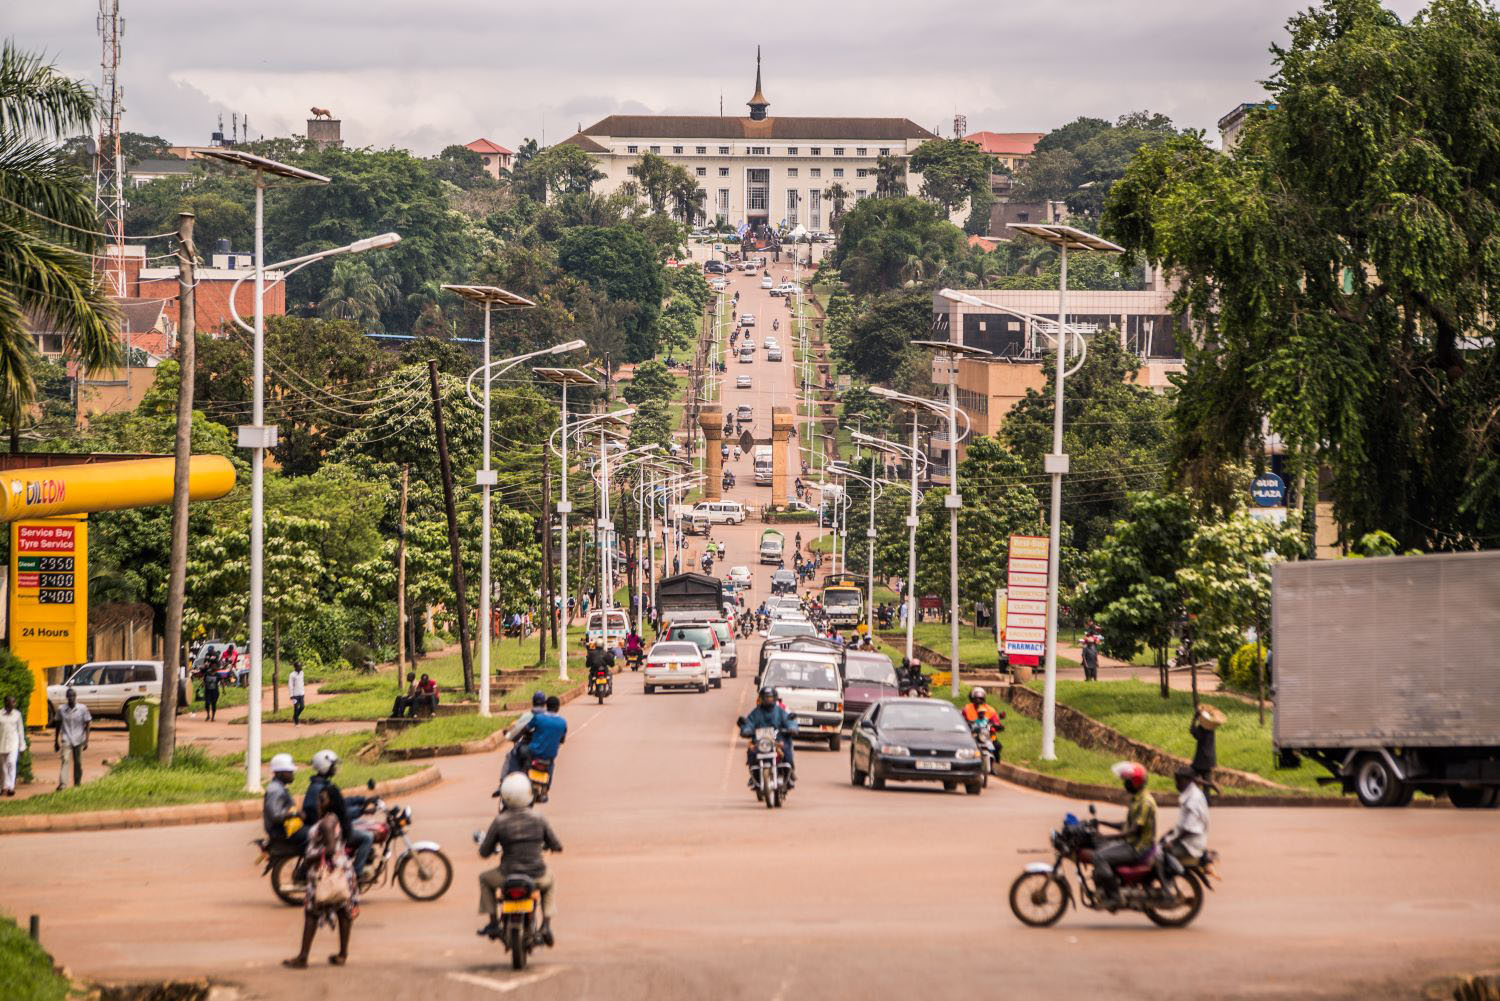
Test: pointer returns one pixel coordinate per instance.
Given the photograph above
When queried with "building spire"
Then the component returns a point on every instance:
(758, 103)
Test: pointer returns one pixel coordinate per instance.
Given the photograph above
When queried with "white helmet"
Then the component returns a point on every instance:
(324, 761)
(515, 791)
(282, 763)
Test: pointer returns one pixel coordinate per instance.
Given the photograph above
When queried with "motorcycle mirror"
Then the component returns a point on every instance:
(1092, 811)
(370, 784)
(740, 721)
(478, 837)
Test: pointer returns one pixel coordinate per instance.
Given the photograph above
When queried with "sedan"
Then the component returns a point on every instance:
(914, 740)
(767, 283)
(742, 382)
(739, 575)
(868, 678)
(748, 320)
(675, 665)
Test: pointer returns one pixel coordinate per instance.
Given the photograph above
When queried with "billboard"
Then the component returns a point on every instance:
(1026, 596)
(49, 599)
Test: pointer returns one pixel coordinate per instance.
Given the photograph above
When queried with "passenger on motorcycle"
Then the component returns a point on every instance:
(279, 814)
(326, 764)
(768, 713)
(1189, 839)
(521, 834)
(519, 735)
(633, 645)
(1137, 833)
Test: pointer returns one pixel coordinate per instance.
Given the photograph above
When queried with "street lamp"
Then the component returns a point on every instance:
(919, 464)
(874, 482)
(952, 502)
(258, 436)
(605, 523)
(1064, 238)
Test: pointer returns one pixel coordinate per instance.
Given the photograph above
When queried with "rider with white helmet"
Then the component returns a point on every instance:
(521, 834)
(325, 765)
(278, 810)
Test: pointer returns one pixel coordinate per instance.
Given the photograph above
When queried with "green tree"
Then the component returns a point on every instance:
(556, 170)
(1226, 582)
(1343, 273)
(1079, 162)
(885, 243)
(880, 337)
(836, 195)
(890, 176)
(651, 381)
(953, 171)
(619, 260)
(687, 196)
(47, 232)
(654, 175)
(354, 294)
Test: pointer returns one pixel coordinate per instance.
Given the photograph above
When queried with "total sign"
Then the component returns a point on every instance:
(1026, 596)
(49, 608)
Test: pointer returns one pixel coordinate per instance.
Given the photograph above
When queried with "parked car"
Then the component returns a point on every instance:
(751, 266)
(743, 381)
(109, 687)
(808, 685)
(914, 740)
(715, 268)
(675, 665)
(868, 678)
(707, 640)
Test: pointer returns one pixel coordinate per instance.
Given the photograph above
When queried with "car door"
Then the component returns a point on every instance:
(115, 682)
(83, 684)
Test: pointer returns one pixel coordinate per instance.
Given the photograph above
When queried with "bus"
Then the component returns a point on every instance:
(843, 601)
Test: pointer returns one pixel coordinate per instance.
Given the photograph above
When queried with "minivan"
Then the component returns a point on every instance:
(607, 625)
(721, 512)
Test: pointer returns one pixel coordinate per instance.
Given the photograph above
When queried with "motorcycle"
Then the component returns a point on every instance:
(419, 867)
(771, 774)
(1166, 889)
(601, 685)
(986, 735)
(539, 771)
(915, 684)
(519, 929)
(635, 658)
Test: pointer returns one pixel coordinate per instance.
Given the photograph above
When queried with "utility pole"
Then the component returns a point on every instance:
(549, 622)
(166, 725)
(460, 602)
(401, 580)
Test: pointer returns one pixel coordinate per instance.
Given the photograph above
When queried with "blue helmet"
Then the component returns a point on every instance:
(538, 699)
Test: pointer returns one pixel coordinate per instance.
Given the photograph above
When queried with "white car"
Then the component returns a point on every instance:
(110, 687)
(706, 638)
(675, 665)
(767, 283)
(808, 684)
(787, 288)
(743, 381)
(748, 320)
(740, 575)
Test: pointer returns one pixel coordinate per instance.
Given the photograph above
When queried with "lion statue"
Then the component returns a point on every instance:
(321, 113)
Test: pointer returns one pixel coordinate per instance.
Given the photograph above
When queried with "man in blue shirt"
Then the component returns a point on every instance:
(768, 712)
(548, 731)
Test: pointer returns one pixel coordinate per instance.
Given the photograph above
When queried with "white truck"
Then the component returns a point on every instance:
(1387, 672)
(763, 465)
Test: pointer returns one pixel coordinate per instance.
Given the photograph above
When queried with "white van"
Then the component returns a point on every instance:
(764, 465)
(720, 512)
(807, 682)
(605, 626)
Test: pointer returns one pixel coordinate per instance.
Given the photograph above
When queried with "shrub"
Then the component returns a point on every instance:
(16, 679)
(1238, 672)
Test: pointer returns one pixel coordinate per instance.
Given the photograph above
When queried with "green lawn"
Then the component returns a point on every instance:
(1136, 709)
(26, 972)
(446, 730)
(196, 777)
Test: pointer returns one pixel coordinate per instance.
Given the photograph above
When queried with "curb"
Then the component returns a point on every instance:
(186, 813)
(479, 746)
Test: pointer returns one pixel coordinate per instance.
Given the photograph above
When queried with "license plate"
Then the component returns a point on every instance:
(516, 906)
(537, 776)
(934, 766)
(804, 721)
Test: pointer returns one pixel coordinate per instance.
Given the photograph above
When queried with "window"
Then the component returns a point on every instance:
(792, 172)
(838, 171)
(677, 149)
(656, 149)
(814, 208)
(724, 151)
(724, 172)
(816, 151)
(791, 207)
(886, 151)
(861, 193)
(818, 172)
(724, 206)
(861, 172)
(759, 150)
(759, 183)
(792, 151)
(632, 170)
(700, 150)
(703, 172)
(637, 149)
(861, 151)
(838, 151)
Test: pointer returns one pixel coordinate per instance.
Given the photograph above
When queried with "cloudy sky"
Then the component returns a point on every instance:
(424, 74)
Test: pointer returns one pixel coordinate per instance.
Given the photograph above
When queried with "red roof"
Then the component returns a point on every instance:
(486, 146)
(1006, 143)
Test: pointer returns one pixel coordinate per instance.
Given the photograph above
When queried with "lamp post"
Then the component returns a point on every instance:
(258, 436)
(874, 482)
(1064, 238)
(916, 458)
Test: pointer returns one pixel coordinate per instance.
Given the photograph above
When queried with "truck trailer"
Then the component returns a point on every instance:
(1387, 672)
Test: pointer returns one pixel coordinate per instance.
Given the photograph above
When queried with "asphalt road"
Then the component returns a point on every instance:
(676, 884)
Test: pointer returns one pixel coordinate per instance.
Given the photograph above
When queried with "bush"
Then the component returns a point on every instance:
(1239, 672)
(26, 972)
(16, 679)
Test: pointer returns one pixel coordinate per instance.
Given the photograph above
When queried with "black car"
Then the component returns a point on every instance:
(914, 740)
(715, 268)
(784, 581)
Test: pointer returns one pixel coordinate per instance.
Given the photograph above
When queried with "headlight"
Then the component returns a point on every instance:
(895, 749)
(406, 814)
(830, 707)
(966, 754)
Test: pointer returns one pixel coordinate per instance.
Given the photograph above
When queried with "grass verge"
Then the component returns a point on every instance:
(26, 972)
(446, 730)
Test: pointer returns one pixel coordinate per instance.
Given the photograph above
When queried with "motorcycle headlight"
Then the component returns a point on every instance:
(765, 746)
(406, 815)
(966, 753)
(896, 750)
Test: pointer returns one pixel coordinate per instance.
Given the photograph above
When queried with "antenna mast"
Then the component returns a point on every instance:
(109, 166)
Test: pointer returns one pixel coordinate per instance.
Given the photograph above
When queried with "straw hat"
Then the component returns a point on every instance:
(1210, 717)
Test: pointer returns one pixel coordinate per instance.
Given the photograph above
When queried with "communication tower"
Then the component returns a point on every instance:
(960, 126)
(109, 165)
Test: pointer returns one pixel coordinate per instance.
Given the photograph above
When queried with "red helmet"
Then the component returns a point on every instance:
(1130, 773)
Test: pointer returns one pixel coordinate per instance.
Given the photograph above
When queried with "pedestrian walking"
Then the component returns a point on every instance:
(12, 744)
(1090, 649)
(332, 892)
(71, 738)
(1206, 719)
(210, 689)
(296, 687)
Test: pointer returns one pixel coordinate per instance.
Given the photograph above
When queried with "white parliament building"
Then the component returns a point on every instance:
(759, 169)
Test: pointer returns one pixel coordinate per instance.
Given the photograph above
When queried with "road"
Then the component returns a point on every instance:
(676, 884)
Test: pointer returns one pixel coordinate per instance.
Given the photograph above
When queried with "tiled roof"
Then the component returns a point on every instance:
(482, 145)
(773, 127)
(1006, 143)
(584, 143)
(139, 316)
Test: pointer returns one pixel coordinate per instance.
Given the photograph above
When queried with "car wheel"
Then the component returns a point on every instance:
(877, 780)
(718, 682)
(650, 689)
(1375, 783)
(703, 689)
(973, 788)
(856, 777)
(833, 742)
(949, 786)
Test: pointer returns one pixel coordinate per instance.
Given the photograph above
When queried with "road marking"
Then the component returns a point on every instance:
(506, 986)
(734, 744)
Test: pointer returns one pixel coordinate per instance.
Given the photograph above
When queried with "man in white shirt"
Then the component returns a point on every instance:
(1189, 839)
(296, 687)
(12, 744)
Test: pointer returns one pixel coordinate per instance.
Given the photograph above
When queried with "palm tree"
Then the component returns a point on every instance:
(354, 293)
(48, 232)
(890, 176)
(837, 195)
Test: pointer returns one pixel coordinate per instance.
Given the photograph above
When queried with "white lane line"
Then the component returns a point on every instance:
(734, 744)
(506, 986)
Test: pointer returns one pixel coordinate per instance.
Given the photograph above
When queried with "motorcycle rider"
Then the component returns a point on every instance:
(521, 834)
(978, 707)
(1137, 833)
(633, 646)
(597, 658)
(768, 712)
(519, 735)
(279, 814)
(325, 765)
(1188, 840)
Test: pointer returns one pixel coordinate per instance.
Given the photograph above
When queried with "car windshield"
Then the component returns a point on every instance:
(791, 628)
(842, 599)
(701, 636)
(800, 674)
(674, 651)
(879, 672)
(936, 718)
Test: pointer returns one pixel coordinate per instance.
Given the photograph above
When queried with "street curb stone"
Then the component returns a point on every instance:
(478, 746)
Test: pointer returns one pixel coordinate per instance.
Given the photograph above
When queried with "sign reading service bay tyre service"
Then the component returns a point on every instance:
(1026, 596)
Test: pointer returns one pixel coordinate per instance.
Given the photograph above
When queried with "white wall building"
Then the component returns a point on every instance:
(757, 169)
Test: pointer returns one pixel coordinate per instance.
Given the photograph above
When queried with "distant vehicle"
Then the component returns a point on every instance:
(706, 638)
(772, 546)
(784, 581)
(111, 687)
(745, 412)
(767, 283)
(772, 343)
(785, 628)
(718, 284)
(763, 465)
(743, 381)
(720, 512)
(748, 320)
(718, 268)
(607, 625)
(675, 665)
(741, 573)
(775, 355)
(719, 623)
(843, 602)
(787, 288)
(751, 266)
(914, 740)
(868, 678)
(1385, 674)
(747, 356)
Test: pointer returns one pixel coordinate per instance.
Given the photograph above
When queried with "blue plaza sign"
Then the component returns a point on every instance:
(1268, 490)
